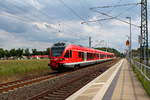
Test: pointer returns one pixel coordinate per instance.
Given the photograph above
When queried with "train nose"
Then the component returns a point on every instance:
(54, 63)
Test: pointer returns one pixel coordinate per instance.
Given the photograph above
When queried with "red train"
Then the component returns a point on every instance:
(74, 56)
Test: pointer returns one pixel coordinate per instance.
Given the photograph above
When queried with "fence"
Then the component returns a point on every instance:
(143, 69)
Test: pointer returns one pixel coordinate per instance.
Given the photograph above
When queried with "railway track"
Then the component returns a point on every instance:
(5, 87)
(65, 90)
(54, 86)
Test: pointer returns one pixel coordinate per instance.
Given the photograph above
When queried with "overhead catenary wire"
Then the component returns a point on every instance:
(107, 12)
(114, 7)
(27, 20)
(103, 19)
(116, 18)
(98, 20)
(76, 14)
(22, 19)
(60, 22)
(72, 11)
(129, 4)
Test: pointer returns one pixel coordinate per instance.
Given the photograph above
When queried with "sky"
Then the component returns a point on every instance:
(41, 23)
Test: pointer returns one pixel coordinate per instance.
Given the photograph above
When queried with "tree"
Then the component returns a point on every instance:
(13, 52)
(48, 51)
(26, 52)
(19, 52)
(34, 52)
(2, 53)
(7, 53)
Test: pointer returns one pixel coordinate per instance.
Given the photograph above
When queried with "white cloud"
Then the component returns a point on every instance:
(118, 23)
(41, 25)
(66, 26)
(8, 41)
(6, 14)
(114, 35)
(46, 27)
(94, 18)
(5, 35)
(34, 3)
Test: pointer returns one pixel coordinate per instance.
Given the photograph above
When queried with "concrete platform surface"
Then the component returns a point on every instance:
(117, 83)
(128, 86)
(97, 88)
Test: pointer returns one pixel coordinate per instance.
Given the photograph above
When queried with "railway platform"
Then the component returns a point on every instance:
(117, 83)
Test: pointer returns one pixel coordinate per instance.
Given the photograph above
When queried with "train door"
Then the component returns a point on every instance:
(81, 55)
(85, 56)
(99, 56)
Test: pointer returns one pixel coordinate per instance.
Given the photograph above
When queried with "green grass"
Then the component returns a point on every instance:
(145, 83)
(10, 68)
(137, 59)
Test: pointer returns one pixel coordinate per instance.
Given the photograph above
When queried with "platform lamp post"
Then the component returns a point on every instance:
(130, 45)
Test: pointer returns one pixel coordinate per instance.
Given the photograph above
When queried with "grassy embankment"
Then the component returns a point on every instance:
(142, 79)
(18, 69)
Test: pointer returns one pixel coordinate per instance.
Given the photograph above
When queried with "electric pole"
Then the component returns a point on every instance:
(90, 42)
(144, 33)
(130, 43)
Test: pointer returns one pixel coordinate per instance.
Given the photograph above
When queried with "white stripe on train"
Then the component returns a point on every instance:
(84, 63)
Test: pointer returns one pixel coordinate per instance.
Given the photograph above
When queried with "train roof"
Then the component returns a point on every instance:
(77, 47)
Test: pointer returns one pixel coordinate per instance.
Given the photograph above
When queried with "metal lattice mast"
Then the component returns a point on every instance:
(144, 33)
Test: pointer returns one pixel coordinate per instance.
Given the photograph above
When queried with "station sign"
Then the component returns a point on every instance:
(127, 43)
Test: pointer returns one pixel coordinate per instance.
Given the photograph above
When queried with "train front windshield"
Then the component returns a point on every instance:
(57, 51)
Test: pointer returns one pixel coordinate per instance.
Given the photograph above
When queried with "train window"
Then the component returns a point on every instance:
(97, 56)
(90, 56)
(70, 54)
(87, 56)
(67, 54)
(57, 51)
(102, 56)
(81, 55)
